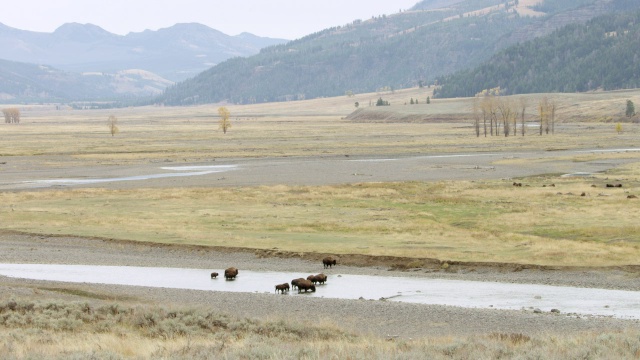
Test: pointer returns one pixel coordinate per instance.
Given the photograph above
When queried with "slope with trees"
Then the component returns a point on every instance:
(603, 54)
(394, 51)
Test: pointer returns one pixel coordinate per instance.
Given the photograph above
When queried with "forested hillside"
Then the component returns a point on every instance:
(603, 54)
(388, 52)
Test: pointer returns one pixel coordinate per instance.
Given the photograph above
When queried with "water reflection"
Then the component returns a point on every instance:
(616, 303)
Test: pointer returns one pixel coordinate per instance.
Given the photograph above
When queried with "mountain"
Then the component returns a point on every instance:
(174, 53)
(24, 82)
(434, 38)
(603, 54)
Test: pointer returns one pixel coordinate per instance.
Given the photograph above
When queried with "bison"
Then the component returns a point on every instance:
(305, 285)
(315, 279)
(282, 288)
(328, 262)
(294, 282)
(214, 275)
(230, 273)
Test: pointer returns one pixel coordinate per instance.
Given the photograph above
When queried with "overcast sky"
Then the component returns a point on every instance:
(288, 19)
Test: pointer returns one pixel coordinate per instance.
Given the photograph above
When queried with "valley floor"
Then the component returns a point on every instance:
(368, 317)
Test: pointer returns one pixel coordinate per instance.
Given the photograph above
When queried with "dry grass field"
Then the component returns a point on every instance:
(489, 221)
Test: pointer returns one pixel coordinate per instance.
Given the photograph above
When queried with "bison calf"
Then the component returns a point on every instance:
(282, 288)
(214, 275)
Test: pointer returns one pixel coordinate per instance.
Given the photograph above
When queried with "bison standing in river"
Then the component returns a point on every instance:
(214, 275)
(230, 273)
(320, 278)
(328, 262)
(294, 282)
(305, 285)
(282, 288)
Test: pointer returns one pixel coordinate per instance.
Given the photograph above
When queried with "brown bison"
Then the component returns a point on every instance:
(214, 275)
(282, 288)
(294, 282)
(317, 279)
(305, 285)
(613, 185)
(230, 273)
(328, 262)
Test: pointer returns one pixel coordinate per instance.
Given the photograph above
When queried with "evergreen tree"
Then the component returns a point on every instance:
(631, 109)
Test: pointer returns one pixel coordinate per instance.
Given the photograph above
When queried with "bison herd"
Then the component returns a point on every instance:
(302, 284)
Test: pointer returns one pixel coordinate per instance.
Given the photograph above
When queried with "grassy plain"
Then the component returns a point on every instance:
(462, 221)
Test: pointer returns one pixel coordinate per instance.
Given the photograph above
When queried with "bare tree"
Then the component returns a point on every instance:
(11, 115)
(506, 113)
(552, 110)
(543, 108)
(112, 123)
(225, 124)
(476, 117)
(524, 102)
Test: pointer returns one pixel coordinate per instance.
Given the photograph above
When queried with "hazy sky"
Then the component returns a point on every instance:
(289, 19)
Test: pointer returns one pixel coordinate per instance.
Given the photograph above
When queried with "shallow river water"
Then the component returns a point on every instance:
(473, 294)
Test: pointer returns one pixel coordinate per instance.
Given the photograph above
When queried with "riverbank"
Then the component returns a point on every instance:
(375, 317)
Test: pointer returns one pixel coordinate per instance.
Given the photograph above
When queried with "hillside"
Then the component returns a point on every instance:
(174, 53)
(435, 38)
(603, 54)
(23, 82)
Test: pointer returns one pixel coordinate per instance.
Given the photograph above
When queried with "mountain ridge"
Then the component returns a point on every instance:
(175, 53)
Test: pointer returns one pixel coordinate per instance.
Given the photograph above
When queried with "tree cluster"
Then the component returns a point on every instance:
(11, 115)
(498, 115)
(381, 102)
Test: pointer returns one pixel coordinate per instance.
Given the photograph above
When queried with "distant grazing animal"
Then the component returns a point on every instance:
(214, 275)
(632, 197)
(614, 185)
(294, 282)
(282, 288)
(517, 184)
(328, 262)
(230, 273)
(305, 285)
